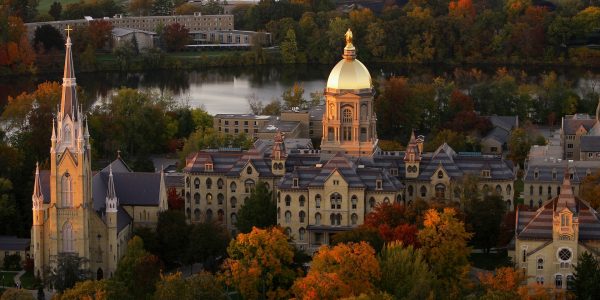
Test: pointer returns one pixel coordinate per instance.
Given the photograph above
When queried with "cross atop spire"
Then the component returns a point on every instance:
(68, 30)
(68, 103)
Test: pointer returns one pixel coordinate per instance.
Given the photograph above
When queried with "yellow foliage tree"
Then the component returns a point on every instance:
(260, 264)
(342, 271)
(506, 283)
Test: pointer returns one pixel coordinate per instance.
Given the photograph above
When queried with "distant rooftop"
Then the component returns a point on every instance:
(243, 116)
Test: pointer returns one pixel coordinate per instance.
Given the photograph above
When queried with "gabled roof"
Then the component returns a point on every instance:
(118, 166)
(13, 243)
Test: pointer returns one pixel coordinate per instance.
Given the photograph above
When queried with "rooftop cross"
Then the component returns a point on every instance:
(68, 30)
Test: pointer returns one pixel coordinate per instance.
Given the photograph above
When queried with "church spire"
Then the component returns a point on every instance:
(38, 197)
(68, 102)
(111, 196)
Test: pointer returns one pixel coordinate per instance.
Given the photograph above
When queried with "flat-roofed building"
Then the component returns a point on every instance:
(240, 123)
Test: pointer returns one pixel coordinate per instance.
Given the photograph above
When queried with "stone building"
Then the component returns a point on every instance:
(580, 136)
(76, 211)
(321, 192)
(549, 240)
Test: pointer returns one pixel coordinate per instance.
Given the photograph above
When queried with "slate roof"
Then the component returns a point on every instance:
(499, 134)
(553, 172)
(134, 188)
(13, 243)
(589, 143)
(174, 180)
(572, 123)
(507, 123)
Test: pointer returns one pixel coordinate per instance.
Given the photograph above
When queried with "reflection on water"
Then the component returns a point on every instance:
(224, 90)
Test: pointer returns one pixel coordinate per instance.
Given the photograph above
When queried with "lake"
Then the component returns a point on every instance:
(225, 90)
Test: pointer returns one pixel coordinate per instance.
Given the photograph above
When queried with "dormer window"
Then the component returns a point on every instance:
(565, 220)
(553, 174)
(379, 184)
(208, 167)
(394, 171)
(295, 184)
(536, 174)
(485, 173)
(440, 174)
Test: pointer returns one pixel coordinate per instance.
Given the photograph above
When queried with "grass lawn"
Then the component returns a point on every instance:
(6, 278)
(489, 261)
(44, 5)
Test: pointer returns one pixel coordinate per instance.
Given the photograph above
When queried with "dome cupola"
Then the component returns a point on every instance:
(349, 73)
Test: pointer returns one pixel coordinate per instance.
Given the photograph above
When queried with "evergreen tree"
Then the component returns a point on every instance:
(587, 277)
(258, 211)
(48, 37)
(69, 269)
(404, 272)
(55, 10)
(162, 8)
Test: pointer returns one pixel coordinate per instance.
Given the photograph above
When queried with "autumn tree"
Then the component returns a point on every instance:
(359, 234)
(140, 7)
(404, 272)
(393, 222)
(16, 54)
(590, 189)
(100, 33)
(344, 270)
(199, 286)
(260, 264)
(175, 37)
(289, 48)
(175, 200)
(257, 211)
(16, 294)
(444, 246)
(89, 289)
(294, 97)
(137, 270)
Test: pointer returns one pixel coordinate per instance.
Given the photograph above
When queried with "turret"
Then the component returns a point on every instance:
(278, 155)
(37, 230)
(412, 157)
(37, 198)
(111, 196)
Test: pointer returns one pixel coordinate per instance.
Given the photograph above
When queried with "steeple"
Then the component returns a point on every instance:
(111, 196)
(412, 149)
(566, 199)
(38, 197)
(68, 102)
(278, 146)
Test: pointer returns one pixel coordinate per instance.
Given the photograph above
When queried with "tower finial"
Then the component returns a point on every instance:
(349, 50)
(348, 36)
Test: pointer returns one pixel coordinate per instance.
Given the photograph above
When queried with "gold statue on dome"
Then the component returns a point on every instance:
(348, 37)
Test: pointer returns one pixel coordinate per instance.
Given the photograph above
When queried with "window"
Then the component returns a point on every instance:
(233, 187)
(209, 198)
(208, 183)
(249, 185)
(67, 190)
(302, 201)
(208, 167)
(423, 191)
(440, 191)
(67, 237)
(187, 182)
(288, 200)
(197, 183)
(249, 170)
(295, 184)
(354, 219)
(440, 174)
(540, 190)
(197, 214)
(379, 184)
(233, 219)
(565, 220)
(302, 215)
(498, 189)
(67, 134)
(220, 199)
(371, 203)
(558, 281)
(410, 191)
(288, 232)
(197, 198)
(354, 201)
(220, 183)
(564, 255)
(301, 234)
(524, 253)
(233, 202)
(220, 216)
(539, 280)
(508, 189)
(336, 201)
(209, 215)
(318, 201)
(288, 217)
(317, 219)
(540, 263)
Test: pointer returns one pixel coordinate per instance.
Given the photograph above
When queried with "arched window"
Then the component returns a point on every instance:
(531, 190)
(220, 215)
(558, 281)
(302, 216)
(540, 190)
(288, 217)
(354, 201)
(336, 201)
(364, 111)
(187, 182)
(209, 198)
(209, 215)
(249, 170)
(67, 237)
(508, 189)
(317, 219)
(508, 205)
(346, 115)
(249, 185)
(318, 201)
(208, 183)
(233, 202)
(440, 174)
(288, 200)
(233, 187)
(539, 203)
(339, 219)
(197, 198)
(188, 197)
(332, 219)
(67, 190)
(188, 212)
(386, 200)
(220, 199)
(423, 192)
(67, 134)
(288, 232)
(549, 190)
(220, 183)
(233, 219)
(440, 191)
(301, 234)
(540, 263)
(371, 203)
(354, 219)
(196, 214)
(302, 200)
(410, 191)
(197, 183)
(498, 189)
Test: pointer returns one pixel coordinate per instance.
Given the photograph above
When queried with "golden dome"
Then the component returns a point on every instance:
(349, 73)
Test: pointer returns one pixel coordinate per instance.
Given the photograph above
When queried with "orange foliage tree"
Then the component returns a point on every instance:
(260, 264)
(175, 200)
(506, 283)
(392, 222)
(16, 54)
(342, 271)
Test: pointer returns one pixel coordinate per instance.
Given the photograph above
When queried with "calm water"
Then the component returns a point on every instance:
(225, 90)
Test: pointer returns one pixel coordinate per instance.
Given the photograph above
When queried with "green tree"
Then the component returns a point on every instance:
(207, 241)
(444, 246)
(172, 246)
(48, 37)
(294, 96)
(485, 217)
(8, 210)
(404, 272)
(69, 269)
(360, 234)
(586, 277)
(162, 7)
(289, 49)
(257, 211)
(137, 271)
(55, 10)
